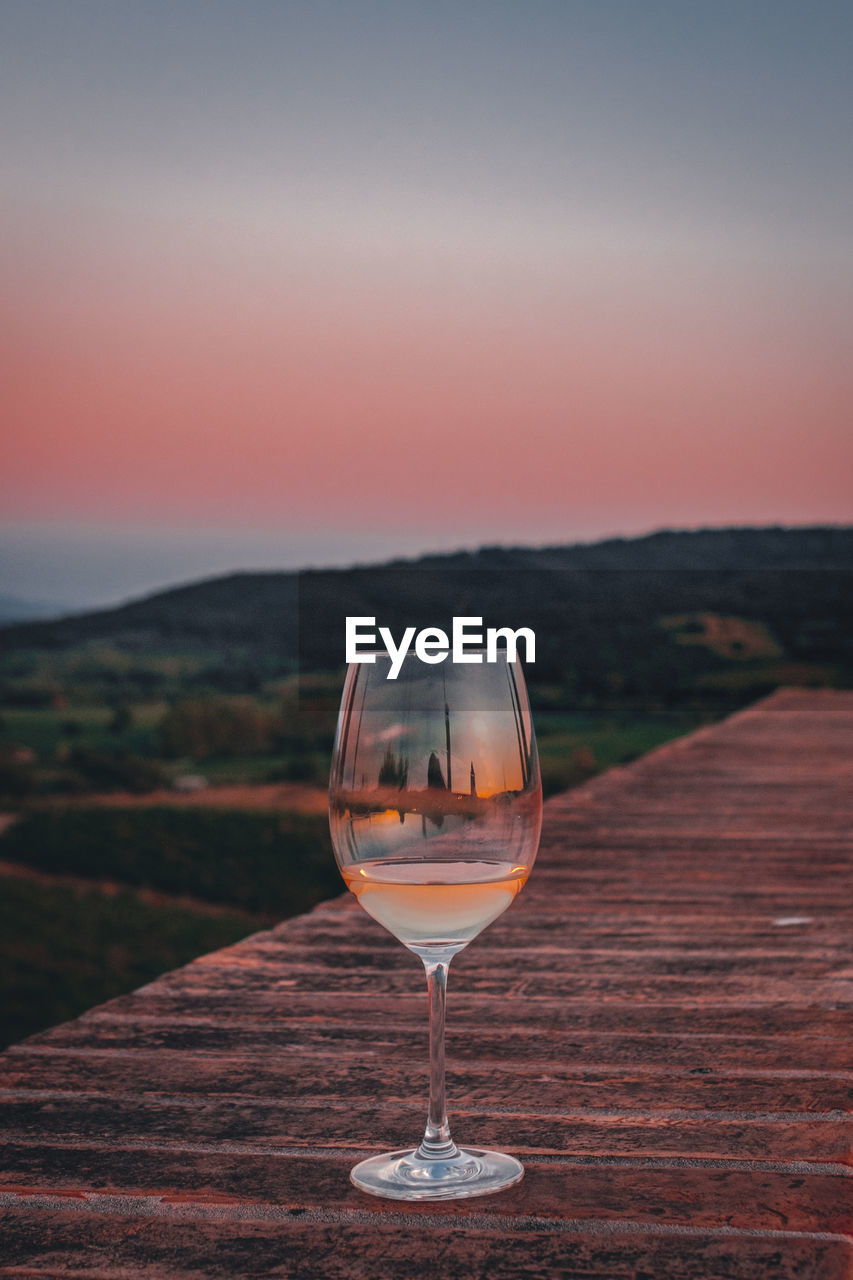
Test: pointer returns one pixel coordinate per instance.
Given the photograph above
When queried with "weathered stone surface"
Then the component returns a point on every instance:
(660, 1027)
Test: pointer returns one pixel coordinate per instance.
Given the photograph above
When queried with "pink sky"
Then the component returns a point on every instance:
(181, 392)
(451, 277)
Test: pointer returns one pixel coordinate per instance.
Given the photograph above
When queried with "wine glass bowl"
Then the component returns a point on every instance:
(435, 807)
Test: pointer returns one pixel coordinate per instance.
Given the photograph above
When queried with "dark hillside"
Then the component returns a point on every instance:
(717, 616)
(561, 587)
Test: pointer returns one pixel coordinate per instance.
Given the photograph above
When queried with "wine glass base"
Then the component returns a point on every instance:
(406, 1175)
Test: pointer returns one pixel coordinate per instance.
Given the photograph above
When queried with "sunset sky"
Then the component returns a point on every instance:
(292, 283)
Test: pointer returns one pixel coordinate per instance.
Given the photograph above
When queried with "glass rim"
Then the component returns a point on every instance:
(446, 656)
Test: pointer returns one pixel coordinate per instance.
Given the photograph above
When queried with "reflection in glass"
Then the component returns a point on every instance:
(435, 809)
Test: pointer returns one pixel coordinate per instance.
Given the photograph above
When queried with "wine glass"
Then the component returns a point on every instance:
(435, 808)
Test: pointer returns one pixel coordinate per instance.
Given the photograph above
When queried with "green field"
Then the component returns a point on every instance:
(66, 949)
(573, 748)
(120, 895)
(273, 863)
(49, 731)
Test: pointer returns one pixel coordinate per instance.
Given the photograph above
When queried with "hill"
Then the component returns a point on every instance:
(701, 621)
(795, 581)
(18, 609)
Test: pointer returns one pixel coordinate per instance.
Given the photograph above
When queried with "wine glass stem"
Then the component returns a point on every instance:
(437, 1143)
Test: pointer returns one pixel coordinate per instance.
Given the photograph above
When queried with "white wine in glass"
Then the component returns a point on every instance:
(435, 808)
